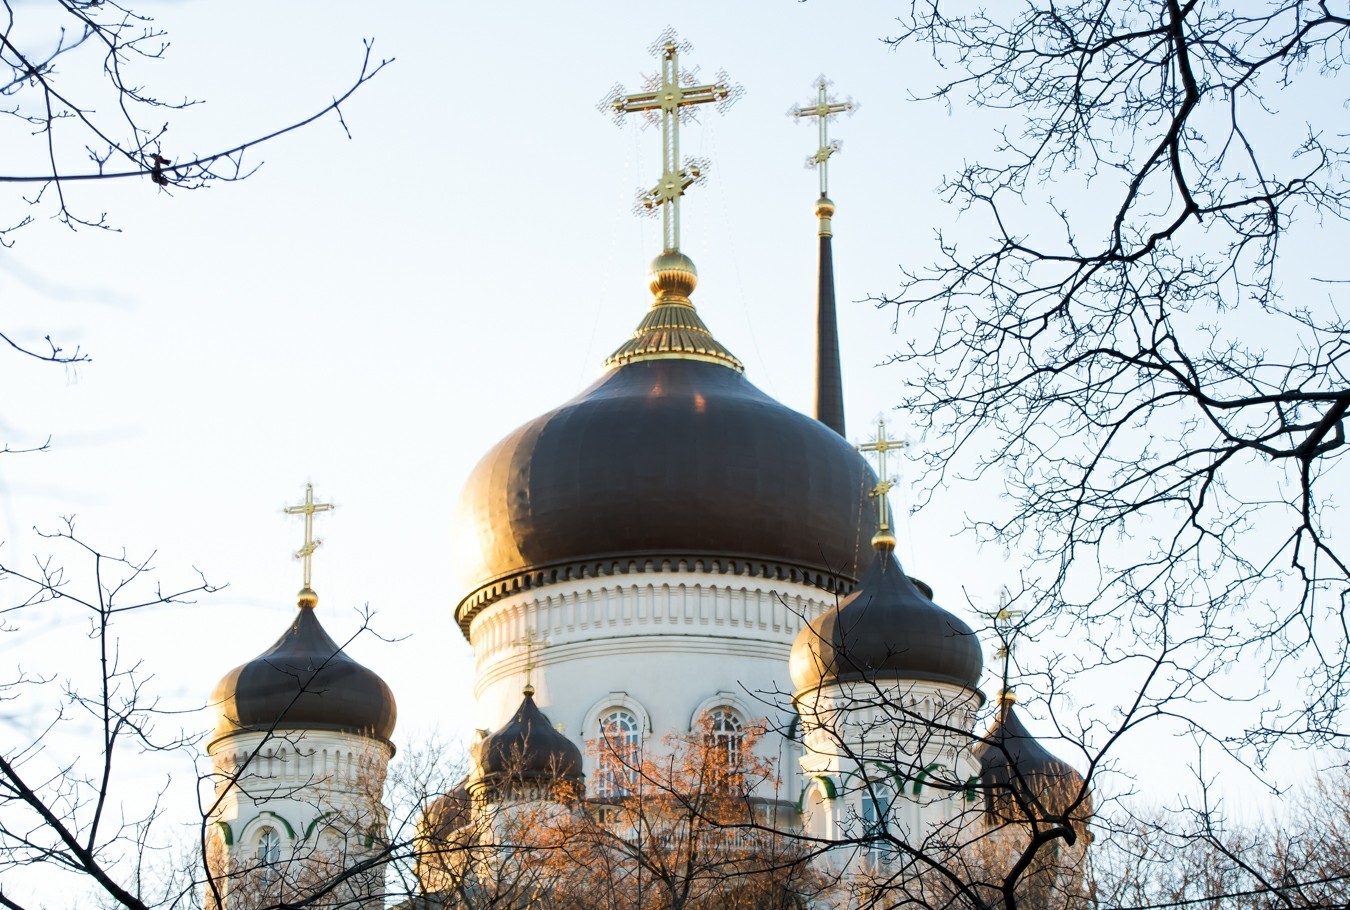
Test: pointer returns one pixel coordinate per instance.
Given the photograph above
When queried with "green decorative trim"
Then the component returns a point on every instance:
(973, 788)
(226, 833)
(896, 778)
(918, 781)
(315, 823)
(825, 784)
(290, 832)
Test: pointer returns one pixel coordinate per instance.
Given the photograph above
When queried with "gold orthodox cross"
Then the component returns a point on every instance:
(880, 445)
(533, 645)
(1004, 620)
(670, 100)
(824, 110)
(307, 509)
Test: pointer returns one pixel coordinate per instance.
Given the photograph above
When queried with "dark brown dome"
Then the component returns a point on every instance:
(448, 812)
(304, 682)
(1021, 777)
(886, 629)
(671, 459)
(528, 748)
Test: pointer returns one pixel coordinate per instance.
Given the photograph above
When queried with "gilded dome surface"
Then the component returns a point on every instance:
(665, 458)
(305, 681)
(887, 629)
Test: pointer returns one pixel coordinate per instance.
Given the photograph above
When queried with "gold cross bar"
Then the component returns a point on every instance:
(823, 110)
(307, 509)
(880, 445)
(670, 101)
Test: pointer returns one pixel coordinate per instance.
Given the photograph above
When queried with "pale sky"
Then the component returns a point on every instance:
(371, 315)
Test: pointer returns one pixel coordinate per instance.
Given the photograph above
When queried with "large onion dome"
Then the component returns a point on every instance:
(672, 457)
(887, 629)
(305, 681)
(527, 748)
(1021, 778)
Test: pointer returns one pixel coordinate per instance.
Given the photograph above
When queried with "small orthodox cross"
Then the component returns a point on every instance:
(1004, 620)
(307, 509)
(673, 95)
(881, 444)
(824, 110)
(533, 645)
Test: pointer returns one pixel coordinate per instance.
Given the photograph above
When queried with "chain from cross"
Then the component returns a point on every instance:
(824, 110)
(308, 508)
(673, 95)
(880, 445)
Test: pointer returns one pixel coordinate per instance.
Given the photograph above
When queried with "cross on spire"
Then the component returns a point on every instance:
(824, 110)
(669, 100)
(308, 508)
(1005, 620)
(880, 445)
(533, 645)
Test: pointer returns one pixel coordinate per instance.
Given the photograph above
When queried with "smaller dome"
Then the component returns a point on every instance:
(305, 681)
(447, 813)
(1020, 776)
(528, 748)
(886, 629)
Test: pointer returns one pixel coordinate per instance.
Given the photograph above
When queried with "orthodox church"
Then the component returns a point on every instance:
(671, 550)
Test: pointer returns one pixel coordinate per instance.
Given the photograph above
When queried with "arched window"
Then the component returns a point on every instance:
(269, 847)
(619, 745)
(876, 810)
(269, 855)
(726, 735)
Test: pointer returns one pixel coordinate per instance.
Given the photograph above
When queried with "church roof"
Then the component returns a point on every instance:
(1020, 776)
(304, 681)
(528, 747)
(887, 629)
(663, 458)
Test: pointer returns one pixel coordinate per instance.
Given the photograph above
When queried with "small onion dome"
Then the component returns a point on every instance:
(528, 748)
(887, 629)
(1020, 777)
(663, 460)
(304, 682)
(447, 813)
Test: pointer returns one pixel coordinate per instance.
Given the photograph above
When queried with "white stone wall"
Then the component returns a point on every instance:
(905, 747)
(317, 792)
(665, 646)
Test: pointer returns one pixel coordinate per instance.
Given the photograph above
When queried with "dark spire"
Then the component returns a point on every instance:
(829, 382)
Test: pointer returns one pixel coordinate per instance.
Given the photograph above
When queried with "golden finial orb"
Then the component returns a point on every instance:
(883, 540)
(1007, 697)
(307, 599)
(824, 207)
(672, 274)
(528, 690)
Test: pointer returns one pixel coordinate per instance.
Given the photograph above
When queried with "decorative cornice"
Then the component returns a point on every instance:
(604, 566)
